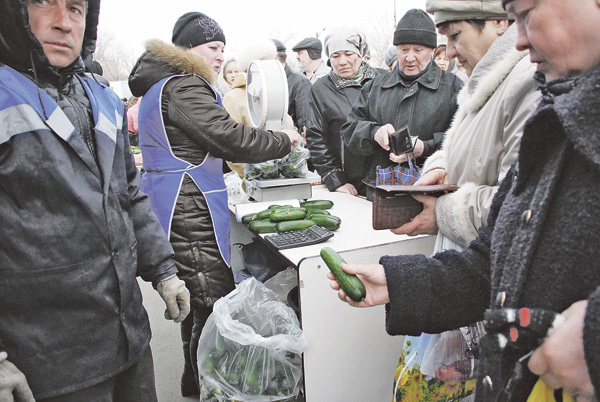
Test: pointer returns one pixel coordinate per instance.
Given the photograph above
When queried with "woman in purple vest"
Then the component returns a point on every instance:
(185, 136)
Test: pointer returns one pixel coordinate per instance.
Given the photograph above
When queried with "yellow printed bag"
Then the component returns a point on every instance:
(541, 392)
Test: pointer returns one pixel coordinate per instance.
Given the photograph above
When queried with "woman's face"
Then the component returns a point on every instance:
(468, 44)
(441, 60)
(231, 70)
(212, 53)
(345, 64)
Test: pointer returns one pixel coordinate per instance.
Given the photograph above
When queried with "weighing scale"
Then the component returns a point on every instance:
(267, 98)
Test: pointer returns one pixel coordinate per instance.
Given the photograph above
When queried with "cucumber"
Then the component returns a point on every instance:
(291, 214)
(286, 226)
(275, 206)
(262, 226)
(264, 214)
(249, 218)
(315, 211)
(329, 222)
(353, 287)
(318, 204)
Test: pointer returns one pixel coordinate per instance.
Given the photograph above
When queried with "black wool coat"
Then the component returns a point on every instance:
(330, 102)
(541, 243)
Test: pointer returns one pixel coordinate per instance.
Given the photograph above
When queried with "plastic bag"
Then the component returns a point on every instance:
(294, 164)
(235, 191)
(250, 348)
(260, 261)
(413, 385)
(283, 282)
(541, 392)
(449, 356)
(262, 171)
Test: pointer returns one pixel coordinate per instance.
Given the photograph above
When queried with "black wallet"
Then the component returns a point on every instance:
(393, 205)
(400, 141)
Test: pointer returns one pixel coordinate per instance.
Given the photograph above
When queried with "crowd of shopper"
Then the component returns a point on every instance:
(504, 109)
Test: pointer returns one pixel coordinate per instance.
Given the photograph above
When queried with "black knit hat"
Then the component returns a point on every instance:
(415, 28)
(193, 29)
(313, 46)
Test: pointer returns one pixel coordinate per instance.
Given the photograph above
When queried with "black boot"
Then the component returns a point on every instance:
(189, 382)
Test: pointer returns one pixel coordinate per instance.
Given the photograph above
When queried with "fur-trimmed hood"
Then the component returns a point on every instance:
(162, 60)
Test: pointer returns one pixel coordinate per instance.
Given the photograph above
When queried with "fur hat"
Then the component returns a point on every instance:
(256, 50)
(345, 39)
(459, 10)
(193, 29)
(415, 28)
(312, 45)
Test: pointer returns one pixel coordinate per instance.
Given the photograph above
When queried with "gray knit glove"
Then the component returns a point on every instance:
(176, 297)
(13, 384)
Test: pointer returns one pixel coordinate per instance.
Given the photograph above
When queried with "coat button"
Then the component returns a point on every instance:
(487, 382)
(115, 253)
(500, 299)
(194, 249)
(526, 216)
(200, 274)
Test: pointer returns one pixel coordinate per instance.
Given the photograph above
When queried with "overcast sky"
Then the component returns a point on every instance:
(135, 21)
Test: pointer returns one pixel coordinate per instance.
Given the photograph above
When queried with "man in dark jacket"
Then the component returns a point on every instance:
(309, 58)
(298, 88)
(76, 230)
(330, 102)
(539, 253)
(417, 94)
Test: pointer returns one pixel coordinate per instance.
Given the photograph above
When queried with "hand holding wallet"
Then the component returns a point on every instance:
(401, 142)
(393, 205)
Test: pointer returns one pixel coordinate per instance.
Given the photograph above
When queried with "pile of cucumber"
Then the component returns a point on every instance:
(251, 370)
(283, 218)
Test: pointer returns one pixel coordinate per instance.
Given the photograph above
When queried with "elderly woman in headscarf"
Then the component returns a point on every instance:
(330, 102)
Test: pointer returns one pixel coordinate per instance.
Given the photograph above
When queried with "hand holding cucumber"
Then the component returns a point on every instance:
(372, 278)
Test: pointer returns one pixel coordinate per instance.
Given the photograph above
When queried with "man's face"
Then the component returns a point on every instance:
(412, 59)
(303, 59)
(59, 26)
(345, 63)
(562, 35)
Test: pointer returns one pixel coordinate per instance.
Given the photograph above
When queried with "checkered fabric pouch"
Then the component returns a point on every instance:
(397, 175)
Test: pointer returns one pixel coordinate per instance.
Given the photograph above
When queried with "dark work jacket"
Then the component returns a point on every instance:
(330, 102)
(426, 106)
(75, 233)
(540, 246)
(76, 230)
(299, 88)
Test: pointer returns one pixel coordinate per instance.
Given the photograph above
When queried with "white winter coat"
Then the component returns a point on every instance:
(483, 140)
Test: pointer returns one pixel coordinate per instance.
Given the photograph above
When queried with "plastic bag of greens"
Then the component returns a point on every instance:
(295, 164)
(250, 348)
(262, 171)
